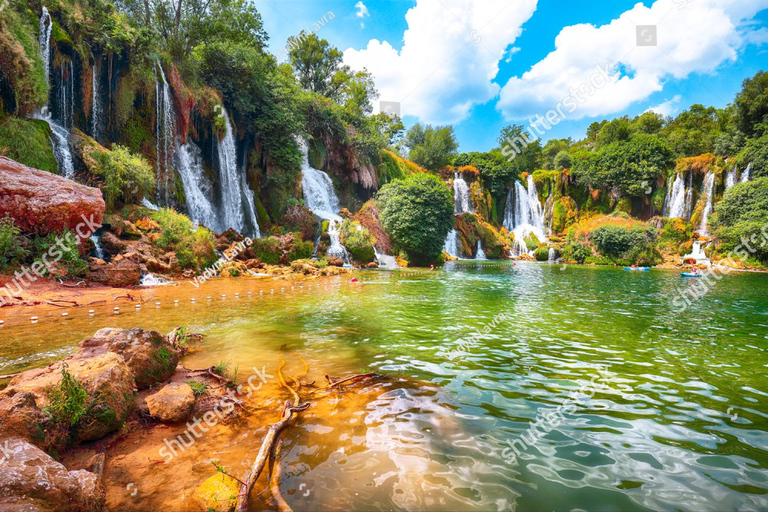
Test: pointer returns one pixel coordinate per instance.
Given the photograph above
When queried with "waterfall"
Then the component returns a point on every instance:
(461, 198)
(61, 151)
(386, 261)
(697, 254)
(66, 95)
(236, 197)
(731, 177)
(549, 213)
(337, 250)
(524, 215)
(96, 107)
(98, 251)
(146, 203)
(747, 174)
(46, 26)
(552, 257)
(707, 192)
(166, 138)
(689, 197)
(197, 188)
(480, 252)
(452, 244)
(675, 208)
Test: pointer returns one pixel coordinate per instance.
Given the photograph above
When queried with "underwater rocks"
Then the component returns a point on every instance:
(31, 480)
(40, 202)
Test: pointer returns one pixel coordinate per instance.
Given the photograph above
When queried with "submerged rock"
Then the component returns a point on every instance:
(40, 202)
(173, 403)
(148, 354)
(218, 493)
(31, 480)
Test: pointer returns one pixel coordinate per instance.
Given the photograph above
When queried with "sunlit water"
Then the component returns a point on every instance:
(678, 422)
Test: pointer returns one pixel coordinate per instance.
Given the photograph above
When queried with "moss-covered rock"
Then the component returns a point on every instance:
(28, 142)
(358, 241)
(564, 214)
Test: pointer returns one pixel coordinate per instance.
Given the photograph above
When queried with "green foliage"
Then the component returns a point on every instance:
(28, 142)
(198, 388)
(65, 244)
(619, 242)
(631, 166)
(11, 249)
(67, 400)
(223, 369)
(431, 148)
(417, 212)
(194, 246)
(127, 178)
(520, 148)
(565, 213)
(563, 160)
(21, 67)
(693, 132)
(300, 250)
(299, 218)
(576, 251)
(542, 254)
(358, 241)
(268, 250)
(756, 153)
(496, 172)
(742, 217)
(752, 105)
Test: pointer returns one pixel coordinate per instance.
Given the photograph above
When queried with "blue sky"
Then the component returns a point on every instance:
(481, 65)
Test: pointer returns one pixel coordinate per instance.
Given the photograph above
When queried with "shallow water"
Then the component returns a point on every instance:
(675, 419)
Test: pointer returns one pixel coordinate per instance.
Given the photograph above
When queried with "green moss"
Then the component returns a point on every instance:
(564, 215)
(261, 212)
(268, 250)
(358, 241)
(28, 142)
(21, 67)
(301, 250)
(60, 36)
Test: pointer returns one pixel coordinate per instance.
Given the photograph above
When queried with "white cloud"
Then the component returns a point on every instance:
(362, 10)
(667, 108)
(450, 55)
(694, 36)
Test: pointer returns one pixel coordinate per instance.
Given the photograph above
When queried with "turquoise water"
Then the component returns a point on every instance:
(675, 417)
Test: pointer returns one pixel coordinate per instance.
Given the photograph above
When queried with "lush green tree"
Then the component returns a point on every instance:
(617, 130)
(755, 153)
(693, 132)
(648, 122)
(741, 217)
(619, 242)
(495, 170)
(563, 160)
(752, 105)
(521, 148)
(431, 148)
(631, 166)
(552, 148)
(417, 212)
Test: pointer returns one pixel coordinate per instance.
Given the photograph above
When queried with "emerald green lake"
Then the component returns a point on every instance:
(678, 419)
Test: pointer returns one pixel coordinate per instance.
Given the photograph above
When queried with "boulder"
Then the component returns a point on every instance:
(20, 417)
(31, 480)
(218, 493)
(42, 203)
(107, 380)
(111, 243)
(148, 354)
(120, 272)
(173, 403)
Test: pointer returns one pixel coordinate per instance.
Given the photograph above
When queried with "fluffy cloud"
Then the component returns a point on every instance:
(450, 55)
(362, 10)
(693, 36)
(667, 108)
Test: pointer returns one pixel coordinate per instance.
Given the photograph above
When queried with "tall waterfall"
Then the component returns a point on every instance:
(166, 137)
(731, 177)
(689, 196)
(747, 174)
(96, 106)
(44, 39)
(461, 198)
(707, 192)
(337, 250)
(59, 133)
(66, 94)
(197, 188)
(675, 203)
(452, 243)
(237, 207)
(524, 215)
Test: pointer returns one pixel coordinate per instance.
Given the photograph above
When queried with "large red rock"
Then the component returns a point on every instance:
(41, 202)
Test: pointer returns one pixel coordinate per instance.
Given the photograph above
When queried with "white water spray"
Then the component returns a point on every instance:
(461, 197)
(707, 192)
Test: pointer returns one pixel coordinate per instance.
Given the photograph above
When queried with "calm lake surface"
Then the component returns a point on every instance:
(639, 407)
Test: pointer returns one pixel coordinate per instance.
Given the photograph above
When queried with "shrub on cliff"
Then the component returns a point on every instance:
(741, 219)
(756, 154)
(195, 247)
(358, 241)
(28, 142)
(300, 218)
(418, 213)
(127, 177)
(11, 249)
(635, 244)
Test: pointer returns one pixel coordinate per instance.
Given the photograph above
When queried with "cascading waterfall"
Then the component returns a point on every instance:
(320, 197)
(386, 261)
(237, 208)
(166, 137)
(66, 95)
(747, 174)
(480, 255)
(675, 204)
(197, 188)
(697, 254)
(461, 198)
(96, 107)
(552, 256)
(731, 177)
(689, 197)
(98, 251)
(707, 192)
(59, 134)
(452, 244)
(524, 216)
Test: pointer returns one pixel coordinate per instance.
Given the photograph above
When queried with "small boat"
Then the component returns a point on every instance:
(690, 274)
(638, 269)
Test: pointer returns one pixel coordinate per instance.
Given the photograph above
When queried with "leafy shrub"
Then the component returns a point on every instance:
(619, 242)
(300, 218)
(65, 243)
(67, 399)
(542, 254)
(300, 250)
(755, 153)
(198, 388)
(28, 142)
(417, 212)
(358, 241)
(127, 177)
(194, 246)
(268, 250)
(11, 248)
(742, 215)
(577, 251)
